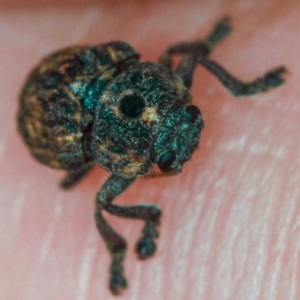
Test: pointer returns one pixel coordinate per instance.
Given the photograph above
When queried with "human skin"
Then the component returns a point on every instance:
(230, 224)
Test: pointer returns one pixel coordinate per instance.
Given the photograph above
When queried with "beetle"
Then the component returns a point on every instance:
(100, 105)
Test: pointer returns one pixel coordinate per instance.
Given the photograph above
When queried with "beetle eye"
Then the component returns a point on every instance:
(165, 163)
(192, 113)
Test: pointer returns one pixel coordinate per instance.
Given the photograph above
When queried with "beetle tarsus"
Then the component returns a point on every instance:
(146, 246)
(117, 280)
(221, 30)
(275, 77)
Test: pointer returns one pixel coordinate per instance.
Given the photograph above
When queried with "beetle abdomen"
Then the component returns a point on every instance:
(58, 101)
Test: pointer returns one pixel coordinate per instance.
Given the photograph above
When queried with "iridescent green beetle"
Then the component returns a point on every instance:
(87, 106)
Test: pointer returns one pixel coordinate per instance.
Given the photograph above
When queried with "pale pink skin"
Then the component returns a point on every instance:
(230, 226)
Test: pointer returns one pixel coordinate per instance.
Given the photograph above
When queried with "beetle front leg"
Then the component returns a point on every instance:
(201, 47)
(187, 65)
(271, 79)
(116, 245)
(150, 213)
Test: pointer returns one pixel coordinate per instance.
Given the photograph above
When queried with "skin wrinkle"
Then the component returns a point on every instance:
(295, 274)
(19, 204)
(207, 230)
(86, 266)
(272, 290)
(44, 250)
(270, 189)
(291, 208)
(182, 244)
(197, 289)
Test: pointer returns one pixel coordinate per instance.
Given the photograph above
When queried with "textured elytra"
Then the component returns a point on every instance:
(58, 101)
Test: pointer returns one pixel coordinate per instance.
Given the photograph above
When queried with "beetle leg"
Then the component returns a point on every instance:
(221, 30)
(116, 245)
(73, 177)
(198, 52)
(190, 51)
(150, 214)
(201, 47)
(271, 79)
(185, 70)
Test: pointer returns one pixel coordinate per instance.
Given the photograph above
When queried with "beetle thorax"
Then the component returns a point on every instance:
(130, 113)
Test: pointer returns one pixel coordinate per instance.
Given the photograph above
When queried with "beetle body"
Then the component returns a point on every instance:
(99, 105)
(57, 104)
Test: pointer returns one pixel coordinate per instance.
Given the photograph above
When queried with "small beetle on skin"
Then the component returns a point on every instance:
(99, 105)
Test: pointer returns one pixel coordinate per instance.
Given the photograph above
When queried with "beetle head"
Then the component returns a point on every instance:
(177, 138)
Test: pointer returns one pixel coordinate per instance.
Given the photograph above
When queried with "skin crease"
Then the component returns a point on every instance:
(230, 225)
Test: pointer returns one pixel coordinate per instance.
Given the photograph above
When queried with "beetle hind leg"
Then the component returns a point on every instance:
(73, 177)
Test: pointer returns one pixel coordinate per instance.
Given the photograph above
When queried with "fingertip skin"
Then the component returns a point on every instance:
(228, 212)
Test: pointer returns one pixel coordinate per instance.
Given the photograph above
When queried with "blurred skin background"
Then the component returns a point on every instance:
(230, 225)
